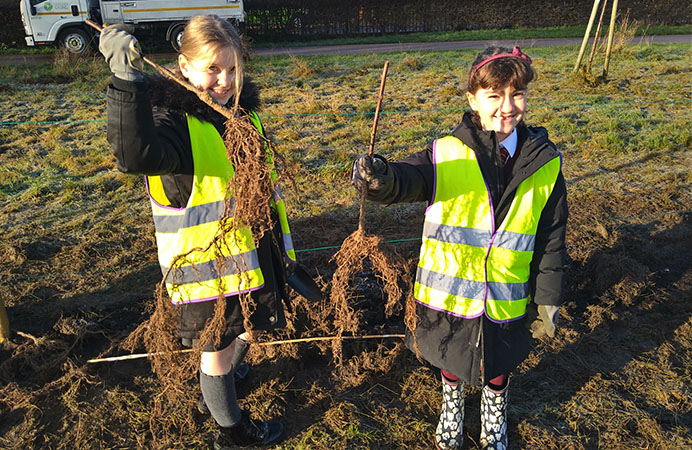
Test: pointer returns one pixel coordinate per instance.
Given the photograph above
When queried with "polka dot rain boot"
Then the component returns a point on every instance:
(449, 433)
(494, 418)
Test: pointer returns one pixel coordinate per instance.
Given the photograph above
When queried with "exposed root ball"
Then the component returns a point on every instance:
(350, 260)
(252, 188)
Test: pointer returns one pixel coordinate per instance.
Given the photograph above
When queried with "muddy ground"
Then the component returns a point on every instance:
(627, 311)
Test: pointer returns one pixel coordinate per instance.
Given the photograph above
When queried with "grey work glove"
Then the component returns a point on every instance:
(544, 320)
(370, 173)
(122, 52)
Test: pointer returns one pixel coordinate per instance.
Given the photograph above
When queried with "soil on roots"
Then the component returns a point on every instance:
(359, 252)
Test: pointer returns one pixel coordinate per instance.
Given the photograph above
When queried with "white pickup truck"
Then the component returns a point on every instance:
(62, 21)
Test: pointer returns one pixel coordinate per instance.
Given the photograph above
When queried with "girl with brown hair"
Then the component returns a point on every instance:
(492, 261)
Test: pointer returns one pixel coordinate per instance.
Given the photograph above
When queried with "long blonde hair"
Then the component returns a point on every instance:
(210, 33)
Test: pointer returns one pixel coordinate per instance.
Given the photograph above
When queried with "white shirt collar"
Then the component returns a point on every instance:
(510, 143)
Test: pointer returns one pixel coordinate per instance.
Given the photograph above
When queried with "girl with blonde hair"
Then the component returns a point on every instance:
(163, 131)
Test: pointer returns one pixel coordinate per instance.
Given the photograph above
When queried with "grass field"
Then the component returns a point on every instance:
(78, 267)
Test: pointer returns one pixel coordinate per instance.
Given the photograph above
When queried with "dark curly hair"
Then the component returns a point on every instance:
(500, 72)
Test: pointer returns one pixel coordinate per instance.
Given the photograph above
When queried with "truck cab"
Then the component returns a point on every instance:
(62, 21)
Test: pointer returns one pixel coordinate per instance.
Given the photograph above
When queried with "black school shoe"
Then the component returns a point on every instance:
(239, 376)
(248, 433)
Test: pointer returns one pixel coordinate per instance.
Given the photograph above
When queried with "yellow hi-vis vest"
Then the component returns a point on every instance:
(467, 267)
(226, 268)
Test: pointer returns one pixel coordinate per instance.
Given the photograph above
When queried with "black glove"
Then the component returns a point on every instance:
(369, 173)
(122, 52)
(543, 320)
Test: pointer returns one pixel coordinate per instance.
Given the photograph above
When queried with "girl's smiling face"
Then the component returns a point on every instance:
(213, 73)
(499, 110)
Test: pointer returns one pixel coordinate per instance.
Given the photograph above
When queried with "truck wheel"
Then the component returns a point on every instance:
(75, 41)
(177, 37)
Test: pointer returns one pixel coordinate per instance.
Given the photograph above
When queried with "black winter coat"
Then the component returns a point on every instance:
(147, 129)
(477, 350)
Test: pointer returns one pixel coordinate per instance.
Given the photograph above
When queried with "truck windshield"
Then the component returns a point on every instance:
(36, 2)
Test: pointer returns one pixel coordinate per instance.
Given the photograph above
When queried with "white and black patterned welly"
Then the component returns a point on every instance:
(494, 419)
(449, 433)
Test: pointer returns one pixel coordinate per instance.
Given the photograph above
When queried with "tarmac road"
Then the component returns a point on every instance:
(381, 48)
(453, 45)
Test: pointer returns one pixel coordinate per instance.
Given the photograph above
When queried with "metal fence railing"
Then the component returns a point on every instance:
(293, 19)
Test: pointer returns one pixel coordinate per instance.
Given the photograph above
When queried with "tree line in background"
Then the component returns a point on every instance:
(286, 20)
(305, 19)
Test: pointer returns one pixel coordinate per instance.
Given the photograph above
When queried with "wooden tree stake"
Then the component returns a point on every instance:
(596, 37)
(586, 35)
(613, 13)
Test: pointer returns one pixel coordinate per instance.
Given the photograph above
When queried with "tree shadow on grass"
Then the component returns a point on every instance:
(624, 301)
(614, 169)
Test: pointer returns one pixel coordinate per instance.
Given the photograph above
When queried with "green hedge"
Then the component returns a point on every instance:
(290, 19)
(11, 30)
(310, 19)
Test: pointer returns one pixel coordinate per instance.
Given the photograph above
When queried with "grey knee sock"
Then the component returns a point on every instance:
(240, 348)
(220, 397)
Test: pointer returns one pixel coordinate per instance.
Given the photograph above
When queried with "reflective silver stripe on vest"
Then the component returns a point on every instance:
(514, 241)
(471, 289)
(194, 215)
(456, 286)
(456, 235)
(507, 291)
(210, 270)
(288, 242)
(479, 238)
(277, 194)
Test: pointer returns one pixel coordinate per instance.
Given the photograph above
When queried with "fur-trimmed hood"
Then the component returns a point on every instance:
(167, 94)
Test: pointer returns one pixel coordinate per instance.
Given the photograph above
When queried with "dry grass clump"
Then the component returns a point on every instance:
(45, 355)
(411, 62)
(421, 391)
(342, 416)
(360, 366)
(301, 68)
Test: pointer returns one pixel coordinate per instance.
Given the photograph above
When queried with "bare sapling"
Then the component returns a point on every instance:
(357, 250)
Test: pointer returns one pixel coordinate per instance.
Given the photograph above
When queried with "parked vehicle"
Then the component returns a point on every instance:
(62, 21)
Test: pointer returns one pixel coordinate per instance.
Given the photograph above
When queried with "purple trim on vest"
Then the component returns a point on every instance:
(231, 294)
(505, 321)
(172, 208)
(560, 155)
(447, 312)
(468, 317)
(434, 188)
